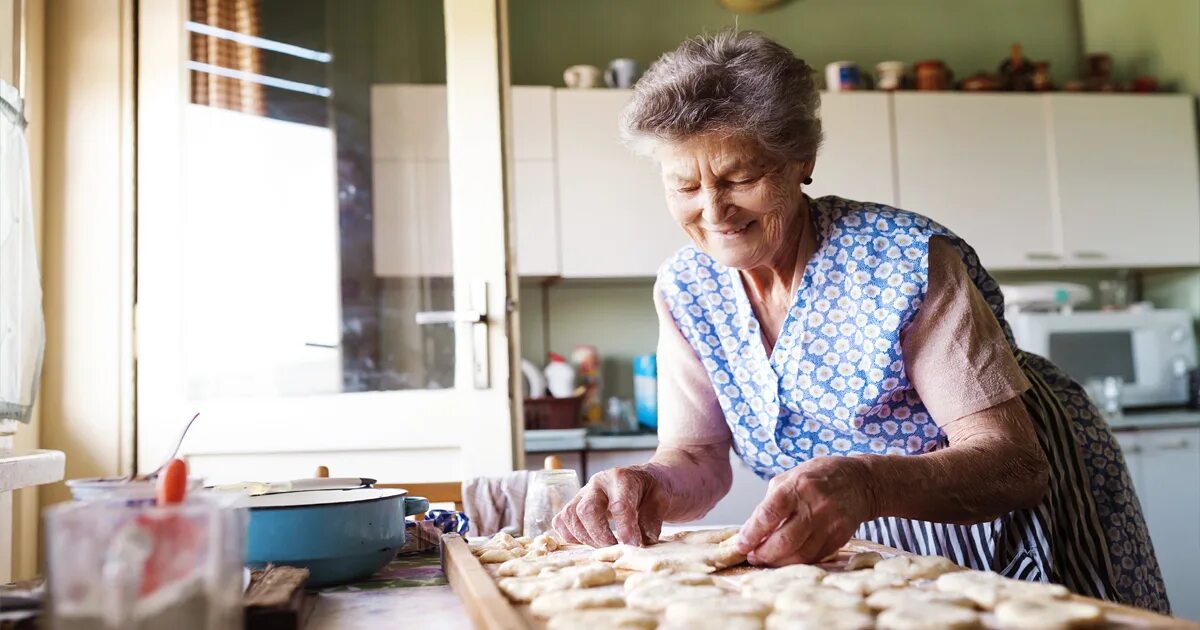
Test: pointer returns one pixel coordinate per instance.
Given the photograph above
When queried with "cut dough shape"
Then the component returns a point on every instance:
(892, 597)
(637, 580)
(603, 618)
(863, 582)
(917, 567)
(824, 619)
(693, 613)
(728, 622)
(928, 616)
(526, 566)
(1047, 614)
(987, 588)
(496, 556)
(610, 553)
(523, 540)
(704, 536)
(543, 545)
(657, 596)
(557, 602)
(674, 556)
(765, 586)
(809, 598)
(524, 589)
(863, 560)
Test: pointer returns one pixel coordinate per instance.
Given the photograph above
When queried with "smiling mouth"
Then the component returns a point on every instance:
(730, 232)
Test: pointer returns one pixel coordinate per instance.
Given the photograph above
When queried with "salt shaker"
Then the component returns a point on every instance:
(549, 492)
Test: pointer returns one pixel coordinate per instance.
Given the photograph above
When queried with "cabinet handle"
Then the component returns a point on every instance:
(1091, 255)
(1133, 448)
(1177, 445)
(1041, 256)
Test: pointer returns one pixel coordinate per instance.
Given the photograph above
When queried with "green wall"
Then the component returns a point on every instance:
(547, 36)
(1158, 37)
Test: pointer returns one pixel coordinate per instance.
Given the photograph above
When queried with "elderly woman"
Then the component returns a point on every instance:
(853, 354)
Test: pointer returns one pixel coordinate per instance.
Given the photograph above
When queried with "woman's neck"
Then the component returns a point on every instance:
(784, 272)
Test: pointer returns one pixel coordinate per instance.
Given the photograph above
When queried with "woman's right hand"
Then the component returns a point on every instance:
(634, 498)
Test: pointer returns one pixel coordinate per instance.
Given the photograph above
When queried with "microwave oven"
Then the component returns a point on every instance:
(1151, 350)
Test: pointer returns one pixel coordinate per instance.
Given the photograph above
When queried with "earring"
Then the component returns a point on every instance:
(807, 181)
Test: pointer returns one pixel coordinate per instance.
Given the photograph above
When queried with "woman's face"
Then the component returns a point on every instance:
(736, 205)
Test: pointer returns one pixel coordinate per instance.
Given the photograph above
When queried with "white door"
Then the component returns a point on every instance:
(261, 303)
(979, 164)
(1128, 182)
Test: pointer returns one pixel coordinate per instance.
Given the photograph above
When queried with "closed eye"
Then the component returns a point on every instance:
(687, 188)
(748, 180)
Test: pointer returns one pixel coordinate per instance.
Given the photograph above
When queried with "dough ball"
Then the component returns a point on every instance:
(917, 567)
(526, 566)
(863, 560)
(557, 602)
(543, 545)
(892, 597)
(496, 556)
(656, 597)
(603, 618)
(610, 554)
(928, 616)
(1047, 614)
(824, 619)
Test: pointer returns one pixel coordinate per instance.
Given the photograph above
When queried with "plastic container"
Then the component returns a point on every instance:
(549, 492)
(560, 377)
(645, 389)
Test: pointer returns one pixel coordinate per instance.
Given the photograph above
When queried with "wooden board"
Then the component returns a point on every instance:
(490, 609)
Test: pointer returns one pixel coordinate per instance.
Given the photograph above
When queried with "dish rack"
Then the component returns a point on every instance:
(552, 413)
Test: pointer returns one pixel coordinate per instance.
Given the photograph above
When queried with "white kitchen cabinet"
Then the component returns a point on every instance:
(612, 209)
(979, 164)
(857, 160)
(1127, 179)
(409, 147)
(734, 508)
(1165, 467)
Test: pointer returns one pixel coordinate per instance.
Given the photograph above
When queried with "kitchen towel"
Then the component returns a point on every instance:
(493, 504)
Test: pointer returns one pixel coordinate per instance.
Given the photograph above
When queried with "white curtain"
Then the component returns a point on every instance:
(22, 330)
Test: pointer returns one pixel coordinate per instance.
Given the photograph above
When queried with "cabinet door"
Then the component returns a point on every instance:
(1170, 495)
(979, 164)
(536, 242)
(612, 209)
(1127, 179)
(533, 122)
(856, 160)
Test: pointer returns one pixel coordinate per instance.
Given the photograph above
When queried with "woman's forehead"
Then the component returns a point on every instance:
(710, 152)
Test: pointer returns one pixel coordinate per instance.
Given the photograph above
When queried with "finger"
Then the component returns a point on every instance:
(767, 517)
(562, 529)
(578, 530)
(784, 545)
(592, 513)
(626, 508)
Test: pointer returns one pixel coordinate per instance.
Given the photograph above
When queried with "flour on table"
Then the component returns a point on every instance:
(825, 619)
(928, 616)
(917, 567)
(553, 603)
(603, 618)
(1047, 614)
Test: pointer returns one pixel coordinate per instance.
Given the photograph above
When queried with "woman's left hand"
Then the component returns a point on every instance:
(809, 512)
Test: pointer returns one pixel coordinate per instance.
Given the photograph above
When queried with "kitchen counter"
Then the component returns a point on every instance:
(559, 440)
(1153, 420)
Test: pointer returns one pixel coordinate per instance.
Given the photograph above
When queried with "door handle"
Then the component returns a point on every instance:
(1176, 445)
(475, 317)
(1089, 255)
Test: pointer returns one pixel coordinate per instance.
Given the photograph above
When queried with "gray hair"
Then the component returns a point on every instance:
(738, 84)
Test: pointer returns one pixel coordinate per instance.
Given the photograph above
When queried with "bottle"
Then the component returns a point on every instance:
(587, 370)
(560, 377)
(645, 389)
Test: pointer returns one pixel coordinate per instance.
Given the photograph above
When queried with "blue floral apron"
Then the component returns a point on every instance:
(835, 384)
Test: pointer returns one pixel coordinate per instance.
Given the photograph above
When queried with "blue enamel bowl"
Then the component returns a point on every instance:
(340, 536)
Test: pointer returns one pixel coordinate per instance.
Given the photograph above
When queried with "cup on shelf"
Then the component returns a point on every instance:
(582, 76)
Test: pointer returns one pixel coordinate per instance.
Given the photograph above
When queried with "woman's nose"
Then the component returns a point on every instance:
(714, 207)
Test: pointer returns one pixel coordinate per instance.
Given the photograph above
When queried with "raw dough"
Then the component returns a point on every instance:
(704, 536)
(1038, 614)
(917, 567)
(526, 566)
(803, 598)
(824, 619)
(764, 586)
(655, 597)
(603, 619)
(637, 580)
(550, 604)
(543, 545)
(863, 560)
(523, 541)
(863, 582)
(987, 589)
(610, 554)
(496, 556)
(524, 589)
(674, 556)
(691, 613)
(892, 597)
(928, 616)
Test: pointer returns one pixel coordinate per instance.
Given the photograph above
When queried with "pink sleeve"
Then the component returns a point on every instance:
(955, 353)
(688, 411)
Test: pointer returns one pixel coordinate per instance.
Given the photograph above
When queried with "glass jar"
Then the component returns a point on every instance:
(549, 492)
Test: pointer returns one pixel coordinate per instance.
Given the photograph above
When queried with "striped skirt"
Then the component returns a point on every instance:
(1087, 534)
